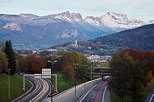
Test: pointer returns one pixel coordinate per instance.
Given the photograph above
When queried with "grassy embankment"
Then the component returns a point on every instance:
(15, 87)
(64, 84)
(144, 93)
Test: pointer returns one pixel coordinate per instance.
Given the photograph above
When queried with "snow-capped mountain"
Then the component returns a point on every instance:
(93, 20)
(12, 26)
(110, 19)
(57, 28)
(120, 21)
(115, 20)
(67, 16)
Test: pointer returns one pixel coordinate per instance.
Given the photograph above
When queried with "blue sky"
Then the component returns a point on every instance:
(140, 9)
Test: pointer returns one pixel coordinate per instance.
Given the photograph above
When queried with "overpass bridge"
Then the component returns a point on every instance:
(102, 71)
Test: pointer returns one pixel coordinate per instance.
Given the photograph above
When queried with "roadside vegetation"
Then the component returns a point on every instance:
(132, 73)
(9, 67)
(15, 87)
(144, 93)
(71, 66)
(147, 90)
(63, 83)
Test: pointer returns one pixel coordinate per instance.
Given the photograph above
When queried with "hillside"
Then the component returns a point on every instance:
(141, 39)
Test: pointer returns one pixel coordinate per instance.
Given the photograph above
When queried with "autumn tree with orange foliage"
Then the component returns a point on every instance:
(143, 56)
(34, 63)
(130, 74)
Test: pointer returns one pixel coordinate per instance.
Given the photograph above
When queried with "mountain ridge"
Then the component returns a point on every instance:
(34, 31)
(141, 39)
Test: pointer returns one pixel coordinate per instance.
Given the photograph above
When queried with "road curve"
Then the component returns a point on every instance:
(41, 88)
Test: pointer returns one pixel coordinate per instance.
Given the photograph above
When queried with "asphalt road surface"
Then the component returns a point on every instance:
(69, 95)
(41, 88)
(99, 93)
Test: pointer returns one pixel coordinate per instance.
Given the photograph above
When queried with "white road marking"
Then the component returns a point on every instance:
(104, 93)
(44, 90)
(71, 90)
(151, 98)
(88, 92)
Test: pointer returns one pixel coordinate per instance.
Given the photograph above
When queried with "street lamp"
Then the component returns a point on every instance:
(9, 84)
(75, 78)
(53, 62)
(51, 73)
(93, 63)
(84, 82)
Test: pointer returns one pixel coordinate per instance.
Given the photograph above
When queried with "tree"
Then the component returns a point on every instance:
(34, 64)
(128, 76)
(69, 73)
(77, 63)
(120, 75)
(11, 58)
(146, 59)
(3, 62)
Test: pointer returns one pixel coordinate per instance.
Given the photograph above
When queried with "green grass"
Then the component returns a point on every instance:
(144, 94)
(64, 84)
(15, 89)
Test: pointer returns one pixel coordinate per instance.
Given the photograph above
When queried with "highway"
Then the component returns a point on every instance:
(69, 95)
(98, 93)
(40, 89)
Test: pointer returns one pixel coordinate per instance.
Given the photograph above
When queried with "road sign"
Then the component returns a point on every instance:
(55, 85)
(46, 73)
(23, 86)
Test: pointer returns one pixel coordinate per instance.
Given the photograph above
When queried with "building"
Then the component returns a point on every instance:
(99, 60)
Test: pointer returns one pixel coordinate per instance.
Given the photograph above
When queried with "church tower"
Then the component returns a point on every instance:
(76, 42)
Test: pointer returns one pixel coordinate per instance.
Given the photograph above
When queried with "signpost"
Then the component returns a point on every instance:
(55, 85)
(46, 73)
(55, 81)
(24, 86)
(23, 82)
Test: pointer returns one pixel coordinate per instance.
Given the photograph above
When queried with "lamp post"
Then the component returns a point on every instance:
(75, 78)
(56, 77)
(91, 67)
(9, 84)
(84, 82)
(52, 62)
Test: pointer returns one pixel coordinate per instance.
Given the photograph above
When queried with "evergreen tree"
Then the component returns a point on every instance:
(11, 58)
